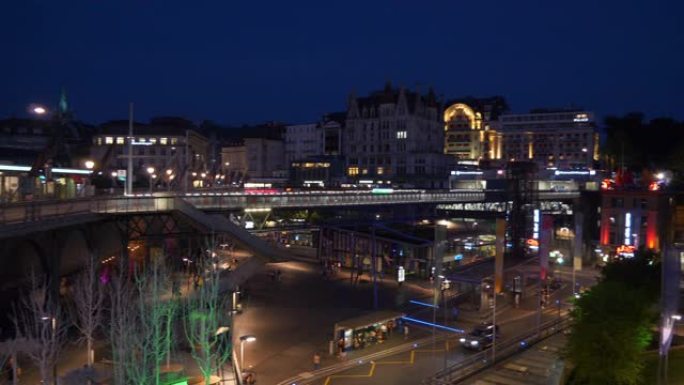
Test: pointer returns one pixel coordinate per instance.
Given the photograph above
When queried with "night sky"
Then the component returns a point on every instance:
(250, 61)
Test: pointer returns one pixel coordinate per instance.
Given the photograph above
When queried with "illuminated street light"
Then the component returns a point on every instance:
(89, 164)
(39, 110)
(114, 174)
(243, 339)
(150, 170)
(676, 317)
(169, 171)
(203, 175)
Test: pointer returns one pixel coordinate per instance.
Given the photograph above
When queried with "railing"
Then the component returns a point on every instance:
(475, 363)
(24, 212)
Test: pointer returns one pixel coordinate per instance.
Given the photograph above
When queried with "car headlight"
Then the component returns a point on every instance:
(474, 343)
(462, 340)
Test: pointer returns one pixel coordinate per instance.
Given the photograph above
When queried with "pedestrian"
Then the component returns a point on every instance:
(406, 331)
(340, 347)
(316, 361)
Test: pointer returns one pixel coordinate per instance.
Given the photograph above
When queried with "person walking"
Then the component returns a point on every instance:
(316, 361)
(406, 331)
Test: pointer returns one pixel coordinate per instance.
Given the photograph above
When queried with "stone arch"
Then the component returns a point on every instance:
(20, 257)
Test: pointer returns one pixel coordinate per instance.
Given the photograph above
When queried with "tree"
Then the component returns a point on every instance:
(139, 336)
(613, 322)
(205, 321)
(88, 300)
(9, 350)
(39, 319)
(612, 329)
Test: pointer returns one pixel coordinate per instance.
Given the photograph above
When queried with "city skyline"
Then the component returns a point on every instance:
(235, 65)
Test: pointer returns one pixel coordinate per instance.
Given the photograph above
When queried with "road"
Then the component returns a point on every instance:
(412, 367)
(294, 317)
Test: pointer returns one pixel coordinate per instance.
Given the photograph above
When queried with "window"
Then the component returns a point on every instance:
(401, 134)
(119, 140)
(380, 170)
(109, 140)
(174, 141)
(153, 140)
(163, 141)
(353, 171)
(99, 141)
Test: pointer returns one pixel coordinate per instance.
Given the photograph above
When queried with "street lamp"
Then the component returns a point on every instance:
(39, 110)
(243, 339)
(89, 164)
(151, 176)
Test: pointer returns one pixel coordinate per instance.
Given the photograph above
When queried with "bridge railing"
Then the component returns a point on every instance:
(33, 211)
(22, 212)
(477, 362)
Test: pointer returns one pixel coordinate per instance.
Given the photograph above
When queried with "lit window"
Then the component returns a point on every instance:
(153, 140)
(119, 140)
(109, 140)
(99, 141)
(380, 170)
(364, 171)
(401, 134)
(174, 141)
(163, 141)
(353, 171)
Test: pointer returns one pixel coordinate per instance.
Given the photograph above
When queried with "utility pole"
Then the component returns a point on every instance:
(129, 171)
(375, 268)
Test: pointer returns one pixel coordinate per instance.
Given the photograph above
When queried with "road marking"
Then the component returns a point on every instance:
(371, 372)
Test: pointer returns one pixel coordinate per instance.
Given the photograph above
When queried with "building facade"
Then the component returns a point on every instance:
(254, 158)
(302, 141)
(170, 146)
(397, 135)
(551, 138)
(470, 127)
(629, 220)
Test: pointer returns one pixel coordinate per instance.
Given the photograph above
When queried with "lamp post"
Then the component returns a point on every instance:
(114, 174)
(151, 175)
(243, 339)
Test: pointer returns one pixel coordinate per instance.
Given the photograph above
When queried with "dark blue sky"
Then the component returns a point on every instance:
(252, 61)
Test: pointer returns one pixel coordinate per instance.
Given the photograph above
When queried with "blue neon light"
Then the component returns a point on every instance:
(413, 301)
(431, 324)
(458, 257)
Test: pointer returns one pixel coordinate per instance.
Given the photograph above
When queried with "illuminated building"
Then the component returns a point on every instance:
(470, 129)
(163, 143)
(629, 218)
(396, 134)
(550, 138)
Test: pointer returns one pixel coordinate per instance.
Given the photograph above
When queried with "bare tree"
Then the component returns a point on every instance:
(204, 320)
(123, 334)
(88, 297)
(140, 330)
(9, 350)
(38, 317)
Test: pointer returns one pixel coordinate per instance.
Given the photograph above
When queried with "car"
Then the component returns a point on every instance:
(481, 337)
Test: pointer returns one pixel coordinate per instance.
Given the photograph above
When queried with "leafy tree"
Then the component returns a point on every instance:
(613, 322)
(612, 328)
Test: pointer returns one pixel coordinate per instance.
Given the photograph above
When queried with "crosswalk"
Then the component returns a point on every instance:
(541, 365)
